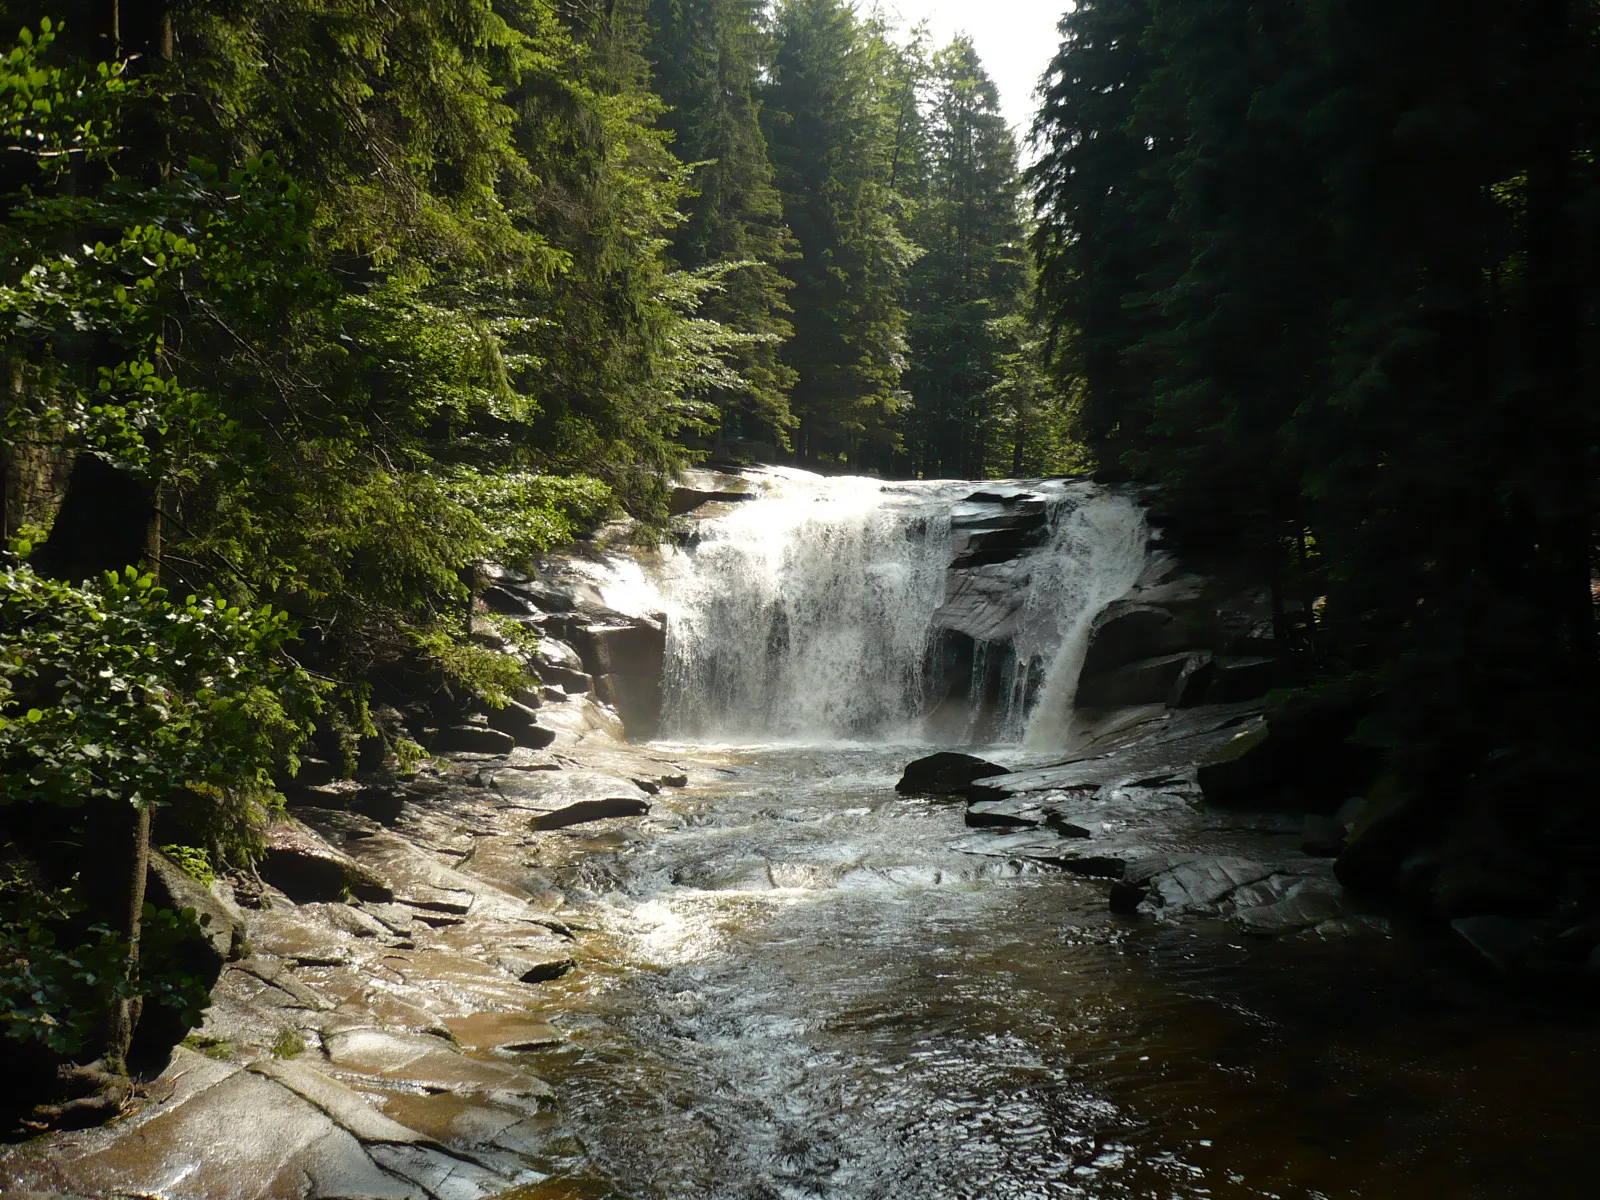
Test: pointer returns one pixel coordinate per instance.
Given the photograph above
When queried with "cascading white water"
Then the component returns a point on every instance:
(807, 614)
(1096, 555)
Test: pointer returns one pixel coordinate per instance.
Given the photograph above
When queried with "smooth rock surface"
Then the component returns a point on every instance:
(556, 800)
(306, 868)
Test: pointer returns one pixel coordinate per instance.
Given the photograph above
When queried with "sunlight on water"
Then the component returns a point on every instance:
(809, 993)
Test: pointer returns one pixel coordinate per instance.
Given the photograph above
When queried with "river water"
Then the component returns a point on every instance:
(796, 986)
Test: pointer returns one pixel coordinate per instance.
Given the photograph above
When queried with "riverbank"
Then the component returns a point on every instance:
(551, 961)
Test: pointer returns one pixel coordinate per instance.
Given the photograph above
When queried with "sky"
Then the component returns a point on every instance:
(1016, 39)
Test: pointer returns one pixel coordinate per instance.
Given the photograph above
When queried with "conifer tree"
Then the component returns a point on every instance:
(705, 60)
(833, 142)
(972, 272)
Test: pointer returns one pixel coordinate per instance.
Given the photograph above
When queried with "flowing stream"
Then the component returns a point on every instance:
(797, 987)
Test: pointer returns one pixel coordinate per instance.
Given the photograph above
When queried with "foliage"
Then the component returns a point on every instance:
(117, 691)
(58, 975)
(972, 276)
(196, 863)
(833, 101)
(706, 60)
(54, 988)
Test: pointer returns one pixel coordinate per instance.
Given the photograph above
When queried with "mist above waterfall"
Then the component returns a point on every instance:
(818, 612)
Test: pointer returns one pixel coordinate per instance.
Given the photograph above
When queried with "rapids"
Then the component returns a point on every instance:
(797, 989)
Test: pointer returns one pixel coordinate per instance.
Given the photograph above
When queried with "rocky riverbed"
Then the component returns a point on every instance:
(371, 1028)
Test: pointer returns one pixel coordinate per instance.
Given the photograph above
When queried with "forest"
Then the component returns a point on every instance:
(311, 308)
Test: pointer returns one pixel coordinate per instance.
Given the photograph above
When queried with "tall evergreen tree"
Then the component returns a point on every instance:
(832, 132)
(1328, 272)
(972, 273)
(706, 60)
(1102, 201)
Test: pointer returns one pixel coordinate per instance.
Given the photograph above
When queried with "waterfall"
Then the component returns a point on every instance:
(814, 613)
(805, 614)
(1096, 556)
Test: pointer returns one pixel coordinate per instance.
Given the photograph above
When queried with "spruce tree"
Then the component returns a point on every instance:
(705, 58)
(833, 142)
(972, 273)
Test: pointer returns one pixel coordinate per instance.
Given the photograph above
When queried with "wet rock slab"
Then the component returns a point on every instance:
(272, 1129)
(1129, 810)
(372, 1035)
(560, 799)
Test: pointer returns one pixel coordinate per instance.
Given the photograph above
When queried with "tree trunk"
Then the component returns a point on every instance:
(123, 1018)
(1565, 534)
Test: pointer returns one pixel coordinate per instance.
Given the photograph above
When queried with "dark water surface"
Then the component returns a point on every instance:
(797, 988)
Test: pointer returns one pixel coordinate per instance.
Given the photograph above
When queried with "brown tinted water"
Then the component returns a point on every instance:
(797, 988)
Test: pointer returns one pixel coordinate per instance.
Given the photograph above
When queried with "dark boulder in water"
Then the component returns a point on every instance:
(944, 774)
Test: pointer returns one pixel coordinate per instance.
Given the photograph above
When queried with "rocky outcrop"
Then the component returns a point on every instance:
(306, 868)
(585, 647)
(1182, 638)
(370, 1027)
(223, 939)
(1130, 812)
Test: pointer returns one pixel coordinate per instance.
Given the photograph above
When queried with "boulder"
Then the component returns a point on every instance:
(1203, 882)
(558, 799)
(945, 773)
(552, 652)
(222, 925)
(636, 648)
(1385, 830)
(338, 827)
(1146, 682)
(306, 868)
(1243, 769)
(1506, 944)
(570, 683)
(1306, 904)
(507, 602)
(522, 723)
(472, 739)
(530, 967)
(1239, 679)
(1128, 632)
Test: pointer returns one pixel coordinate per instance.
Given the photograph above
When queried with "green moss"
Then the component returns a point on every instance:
(195, 862)
(211, 1047)
(288, 1044)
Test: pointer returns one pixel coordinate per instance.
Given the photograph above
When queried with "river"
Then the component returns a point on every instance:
(799, 989)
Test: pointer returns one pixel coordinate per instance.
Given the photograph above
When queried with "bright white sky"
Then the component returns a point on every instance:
(1016, 39)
